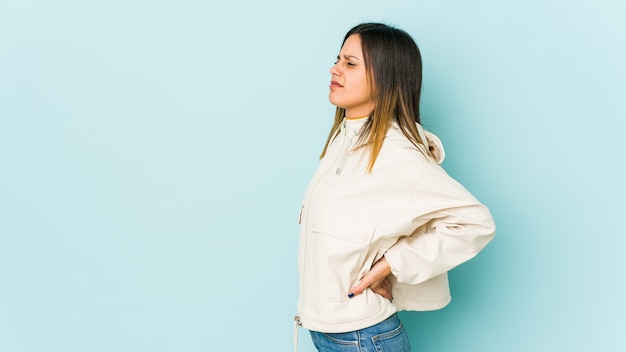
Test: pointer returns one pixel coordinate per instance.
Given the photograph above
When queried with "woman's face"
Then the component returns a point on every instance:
(349, 88)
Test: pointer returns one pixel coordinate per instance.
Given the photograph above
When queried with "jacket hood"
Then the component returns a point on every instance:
(433, 142)
(436, 147)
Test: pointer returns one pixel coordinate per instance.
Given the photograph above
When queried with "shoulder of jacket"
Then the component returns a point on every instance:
(398, 145)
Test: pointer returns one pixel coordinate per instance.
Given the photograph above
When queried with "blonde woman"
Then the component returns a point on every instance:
(381, 222)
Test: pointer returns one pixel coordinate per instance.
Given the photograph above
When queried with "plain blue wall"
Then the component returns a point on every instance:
(153, 156)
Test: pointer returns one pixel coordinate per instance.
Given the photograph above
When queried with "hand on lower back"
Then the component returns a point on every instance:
(377, 279)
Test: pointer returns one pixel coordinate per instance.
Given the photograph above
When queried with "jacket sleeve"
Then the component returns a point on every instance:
(446, 227)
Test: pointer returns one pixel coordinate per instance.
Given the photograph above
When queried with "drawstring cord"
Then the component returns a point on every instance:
(296, 327)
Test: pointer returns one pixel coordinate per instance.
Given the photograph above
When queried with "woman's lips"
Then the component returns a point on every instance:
(335, 84)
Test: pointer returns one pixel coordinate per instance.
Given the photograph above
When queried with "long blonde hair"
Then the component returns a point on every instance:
(394, 72)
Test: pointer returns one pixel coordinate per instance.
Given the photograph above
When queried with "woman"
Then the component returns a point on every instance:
(381, 222)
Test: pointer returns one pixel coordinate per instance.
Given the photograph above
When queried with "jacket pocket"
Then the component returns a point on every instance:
(354, 230)
(341, 252)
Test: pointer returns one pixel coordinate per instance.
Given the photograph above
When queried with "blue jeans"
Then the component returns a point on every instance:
(386, 336)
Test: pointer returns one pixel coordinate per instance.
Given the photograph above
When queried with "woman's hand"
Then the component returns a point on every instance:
(377, 279)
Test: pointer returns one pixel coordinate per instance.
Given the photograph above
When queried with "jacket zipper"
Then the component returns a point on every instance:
(346, 143)
(345, 146)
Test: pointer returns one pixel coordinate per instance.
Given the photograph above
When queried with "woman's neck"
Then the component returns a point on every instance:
(356, 117)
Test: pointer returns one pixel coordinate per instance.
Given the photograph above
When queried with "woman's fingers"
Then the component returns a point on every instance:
(377, 279)
(384, 289)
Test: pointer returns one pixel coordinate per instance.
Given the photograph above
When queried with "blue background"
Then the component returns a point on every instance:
(153, 156)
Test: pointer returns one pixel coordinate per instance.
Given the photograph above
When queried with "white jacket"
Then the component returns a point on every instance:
(407, 209)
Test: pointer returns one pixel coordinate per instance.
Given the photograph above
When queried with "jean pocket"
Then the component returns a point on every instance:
(395, 340)
(341, 342)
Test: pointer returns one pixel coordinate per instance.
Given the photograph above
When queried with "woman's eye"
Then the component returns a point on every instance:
(346, 63)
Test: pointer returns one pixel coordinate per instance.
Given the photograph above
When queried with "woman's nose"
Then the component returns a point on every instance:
(334, 70)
